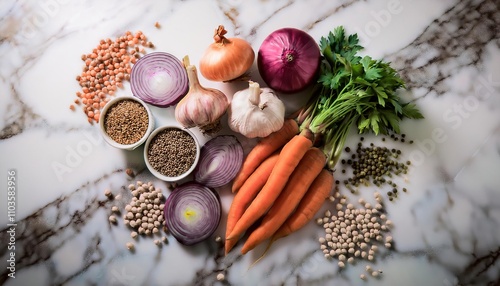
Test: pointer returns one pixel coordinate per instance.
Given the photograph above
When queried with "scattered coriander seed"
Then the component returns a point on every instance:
(220, 277)
(218, 239)
(375, 273)
(362, 276)
(157, 242)
(130, 246)
(108, 193)
(115, 209)
(112, 219)
(133, 234)
(341, 264)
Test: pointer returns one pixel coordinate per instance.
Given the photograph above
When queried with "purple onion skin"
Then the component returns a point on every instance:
(229, 173)
(288, 60)
(147, 65)
(181, 236)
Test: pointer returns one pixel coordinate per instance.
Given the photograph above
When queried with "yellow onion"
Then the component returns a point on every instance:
(201, 107)
(227, 58)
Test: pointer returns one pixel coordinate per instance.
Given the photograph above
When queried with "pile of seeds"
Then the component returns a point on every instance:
(355, 232)
(143, 214)
(375, 165)
(105, 69)
(126, 121)
(172, 152)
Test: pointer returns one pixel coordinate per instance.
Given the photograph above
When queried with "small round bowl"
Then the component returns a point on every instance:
(157, 173)
(112, 142)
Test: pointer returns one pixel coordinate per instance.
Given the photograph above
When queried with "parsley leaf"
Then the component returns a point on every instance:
(353, 90)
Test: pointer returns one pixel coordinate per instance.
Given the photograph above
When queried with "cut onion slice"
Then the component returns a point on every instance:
(220, 160)
(159, 79)
(192, 213)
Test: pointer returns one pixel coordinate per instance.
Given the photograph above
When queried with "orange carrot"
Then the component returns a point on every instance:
(308, 206)
(289, 158)
(246, 194)
(301, 179)
(264, 148)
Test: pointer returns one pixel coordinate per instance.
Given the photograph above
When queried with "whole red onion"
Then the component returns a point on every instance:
(288, 60)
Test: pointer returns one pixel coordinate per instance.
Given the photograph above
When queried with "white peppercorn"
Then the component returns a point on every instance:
(108, 193)
(220, 277)
(112, 219)
(130, 246)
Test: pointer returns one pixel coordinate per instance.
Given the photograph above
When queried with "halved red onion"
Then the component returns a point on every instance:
(288, 60)
(159, 78)
(192, 213)
(220, 160)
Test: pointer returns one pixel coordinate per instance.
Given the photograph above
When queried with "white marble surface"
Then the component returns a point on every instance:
(446, 228)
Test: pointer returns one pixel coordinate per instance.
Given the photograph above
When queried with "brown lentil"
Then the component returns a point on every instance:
(126, 122)
(172, 152)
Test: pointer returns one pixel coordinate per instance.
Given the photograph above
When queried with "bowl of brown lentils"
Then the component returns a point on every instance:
(171, 153)
(126, 122)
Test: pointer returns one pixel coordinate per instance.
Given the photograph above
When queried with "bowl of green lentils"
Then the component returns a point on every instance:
(126, 122)
(171, 153)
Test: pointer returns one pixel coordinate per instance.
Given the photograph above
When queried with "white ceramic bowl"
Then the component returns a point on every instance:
(112, 142)
(160, 175)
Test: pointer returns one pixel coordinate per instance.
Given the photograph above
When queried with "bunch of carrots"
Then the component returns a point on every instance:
(283, 181)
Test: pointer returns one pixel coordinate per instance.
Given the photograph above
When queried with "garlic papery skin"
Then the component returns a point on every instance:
(201, 107)
(256, 112)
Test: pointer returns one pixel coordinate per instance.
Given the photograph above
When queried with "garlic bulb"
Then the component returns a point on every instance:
(256, 112)
(202, 107)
